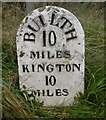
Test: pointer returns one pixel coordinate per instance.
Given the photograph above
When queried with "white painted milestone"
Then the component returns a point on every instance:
(50, 50)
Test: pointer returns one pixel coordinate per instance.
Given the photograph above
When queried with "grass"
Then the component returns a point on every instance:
(91, 104)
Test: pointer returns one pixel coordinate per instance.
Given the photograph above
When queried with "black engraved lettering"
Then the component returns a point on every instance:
(43, 55)
(48, 93)
(52, 38)
(76, 66)
(36, 26)
(52, 20)
(38, 91)
(73, 34)
(29, 37)
(66, 21)
(25, 68)
(58, 92)
(50, 68)
(66, 54)
(49, 56)
(60, 66)
(31, 28)
(58, 54)
(65, 92)
(68, 67)
(43, 92)
(41, 19)
(33, 68)
(44, 38)
(34, 54)
(42, 66)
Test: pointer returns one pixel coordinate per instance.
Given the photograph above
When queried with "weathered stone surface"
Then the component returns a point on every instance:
(50, 49)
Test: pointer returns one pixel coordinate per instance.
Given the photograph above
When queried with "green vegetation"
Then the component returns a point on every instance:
(91, 104)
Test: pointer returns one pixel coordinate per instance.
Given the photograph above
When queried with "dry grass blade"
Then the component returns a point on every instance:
(11, 102)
